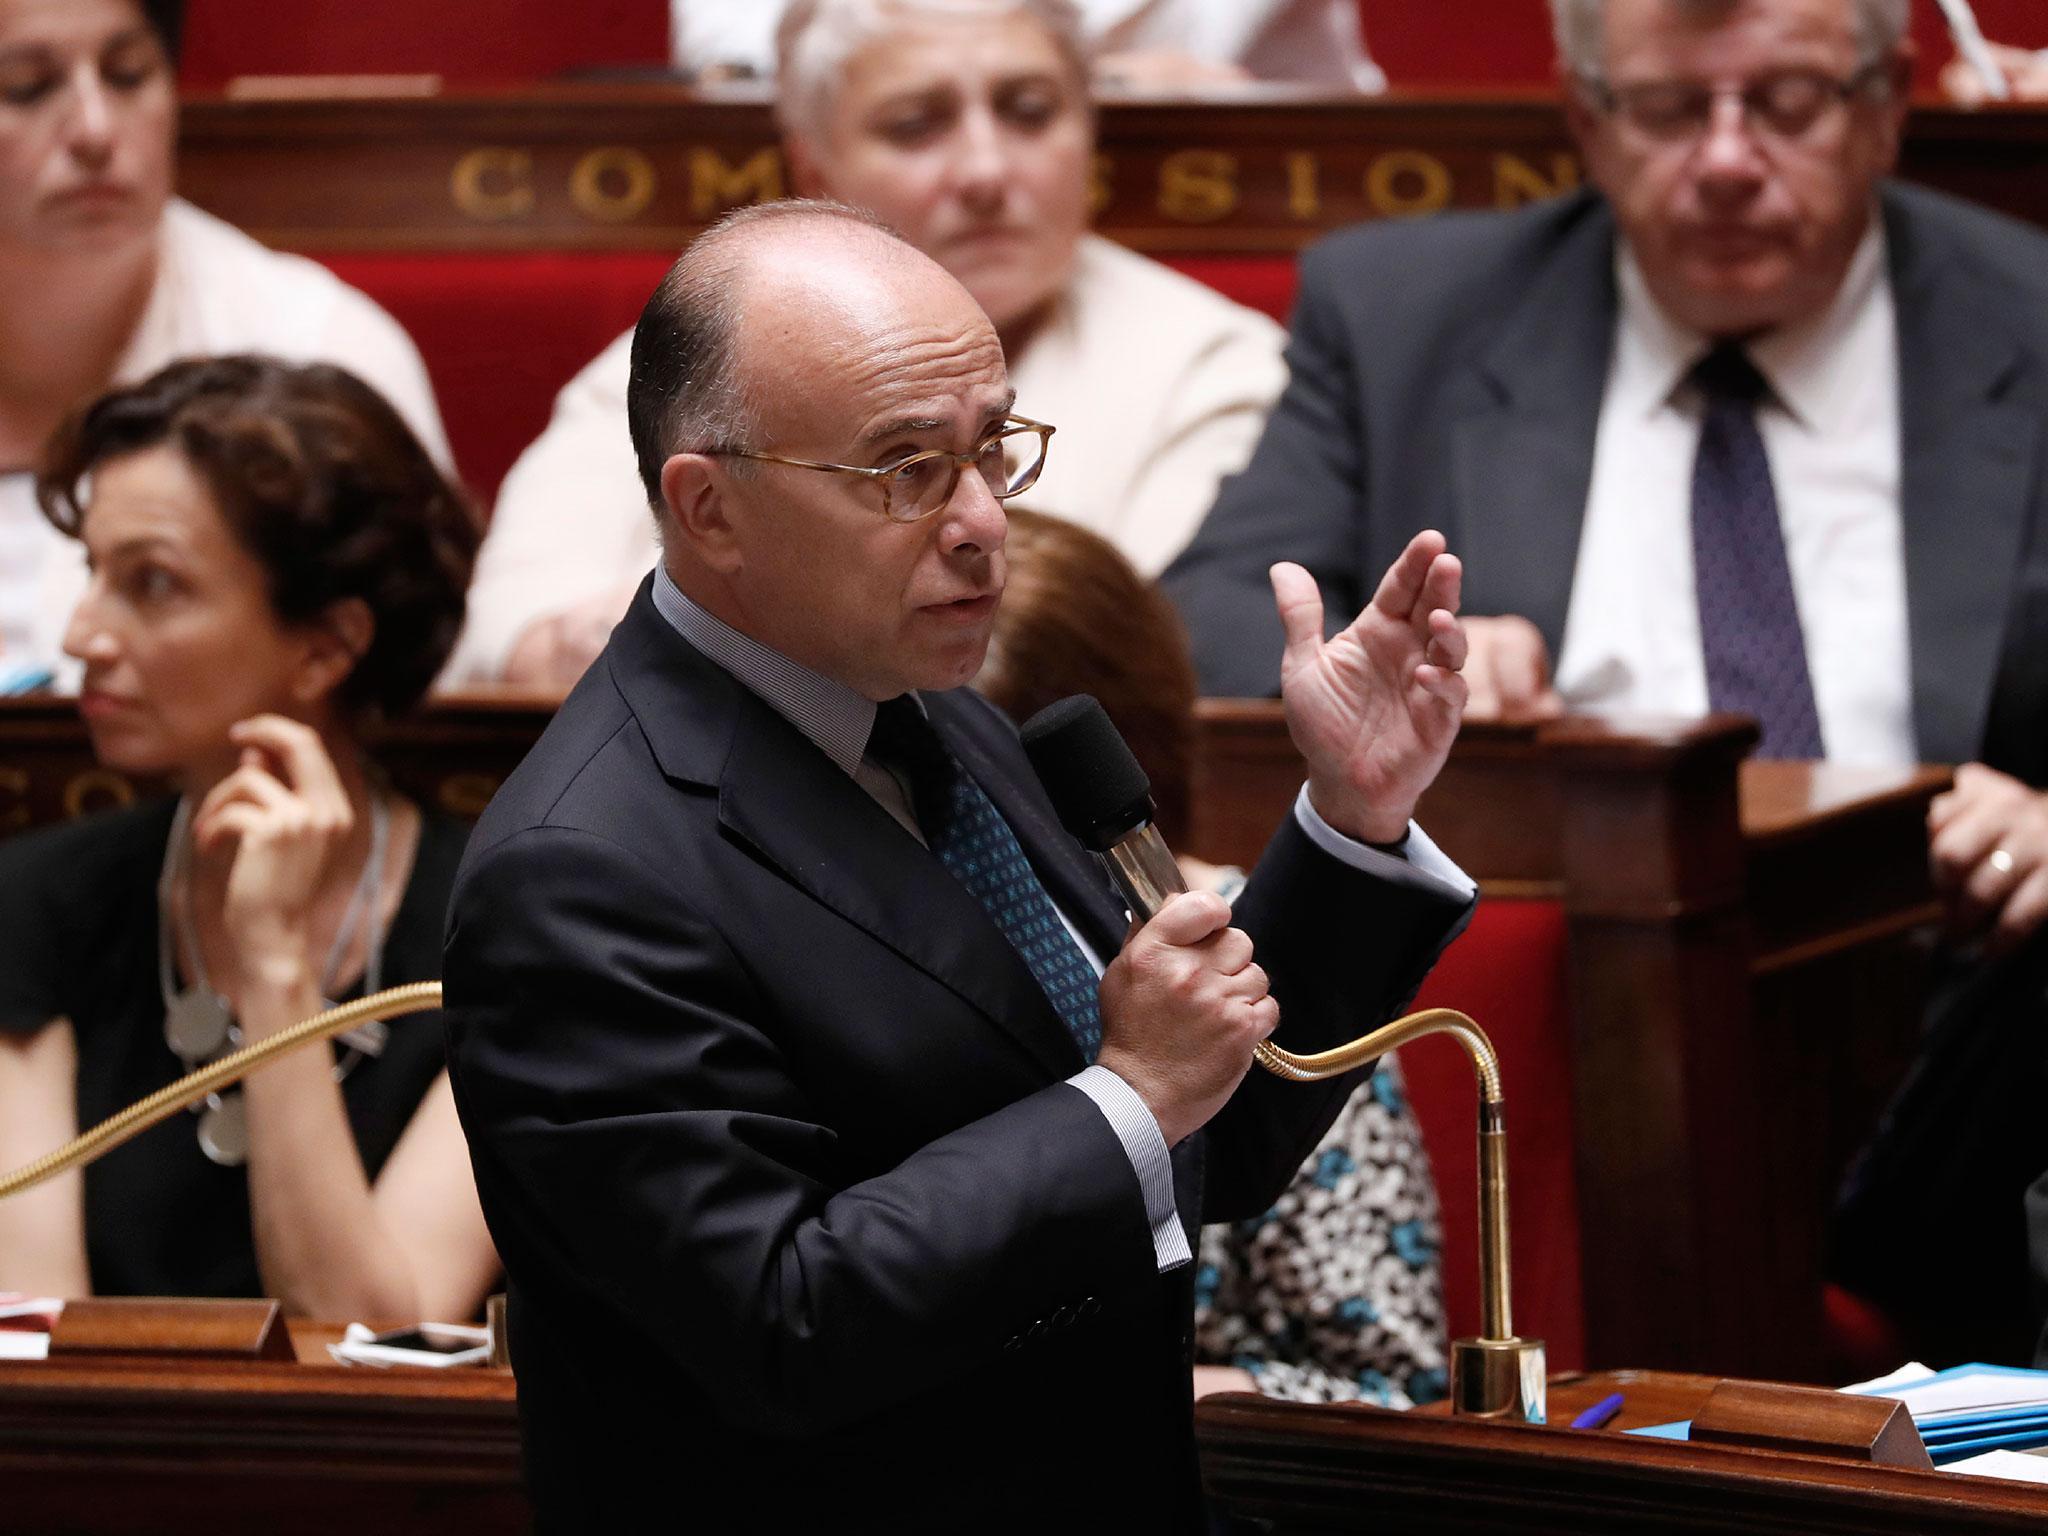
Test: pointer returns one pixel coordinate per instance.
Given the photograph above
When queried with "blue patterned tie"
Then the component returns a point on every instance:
(963, 827)
(1749, 619)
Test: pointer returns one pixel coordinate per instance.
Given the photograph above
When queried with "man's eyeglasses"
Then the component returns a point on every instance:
(1785, 105)
(915, 487)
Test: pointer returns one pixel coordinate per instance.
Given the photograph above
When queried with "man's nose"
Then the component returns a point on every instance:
(974, 520)
(1728, 155)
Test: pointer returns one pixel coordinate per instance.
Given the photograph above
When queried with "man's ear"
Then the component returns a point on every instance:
(695, 498)
(336, 642)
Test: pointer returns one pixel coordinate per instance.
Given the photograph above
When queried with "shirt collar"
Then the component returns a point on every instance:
(835, 718)
(1815, 367)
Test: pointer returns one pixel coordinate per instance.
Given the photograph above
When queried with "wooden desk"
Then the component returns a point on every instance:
(637, 167)
(1745, 988)
(1330, 1469)
(311, 1448)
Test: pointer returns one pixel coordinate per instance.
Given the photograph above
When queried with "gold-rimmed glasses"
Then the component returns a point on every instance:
(1786, 104)
(915, 487)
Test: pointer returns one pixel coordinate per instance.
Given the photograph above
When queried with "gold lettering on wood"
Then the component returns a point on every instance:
(1516, 181)
(493, 184)
(1405, 182)
(97, 789)
(14, 785)
(613, 184)
(716, 187)
(466, 794)
(1198, 186)
(1304, 191)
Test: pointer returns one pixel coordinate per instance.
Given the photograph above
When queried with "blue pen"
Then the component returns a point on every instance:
(1596, 1417)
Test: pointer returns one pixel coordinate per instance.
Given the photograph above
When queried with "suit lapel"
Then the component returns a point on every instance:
(1970, 427)
(795, 807)
(780, 795)
(1526, 414)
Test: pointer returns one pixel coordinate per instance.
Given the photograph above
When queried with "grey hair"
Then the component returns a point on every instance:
(816, 39)
(1579, 27)
(684, 392)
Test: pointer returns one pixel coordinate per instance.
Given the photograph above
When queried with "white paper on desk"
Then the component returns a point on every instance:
(1963, 1390)
(18, 1345)
(2016, 1465)
(1905, 1375)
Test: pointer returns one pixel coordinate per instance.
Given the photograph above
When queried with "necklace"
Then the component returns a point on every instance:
(198, 1023)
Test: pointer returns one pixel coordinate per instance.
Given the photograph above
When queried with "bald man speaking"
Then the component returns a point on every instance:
(843, 1144)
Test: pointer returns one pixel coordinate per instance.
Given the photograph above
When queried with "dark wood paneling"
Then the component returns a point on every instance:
(644, 167)
(1330, 1469)
(254, 1448)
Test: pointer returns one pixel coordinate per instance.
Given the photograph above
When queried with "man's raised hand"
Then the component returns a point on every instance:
(1374, 708)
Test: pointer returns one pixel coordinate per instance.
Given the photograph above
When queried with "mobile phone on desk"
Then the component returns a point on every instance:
(430, 1344)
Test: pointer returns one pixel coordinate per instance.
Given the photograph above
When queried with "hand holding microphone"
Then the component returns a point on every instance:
(1184, 1005)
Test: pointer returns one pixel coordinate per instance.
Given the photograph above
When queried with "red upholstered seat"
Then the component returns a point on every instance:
(503, 331)
(1508, 972)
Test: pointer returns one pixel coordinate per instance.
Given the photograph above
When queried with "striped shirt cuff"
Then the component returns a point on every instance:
(1146, 1148)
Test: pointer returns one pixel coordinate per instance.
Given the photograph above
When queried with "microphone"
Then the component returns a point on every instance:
(1104, 799)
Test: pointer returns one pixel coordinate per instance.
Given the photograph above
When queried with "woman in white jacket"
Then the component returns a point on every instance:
(966, 124)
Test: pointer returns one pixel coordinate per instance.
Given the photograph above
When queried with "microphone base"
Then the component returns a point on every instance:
(1499, 1379)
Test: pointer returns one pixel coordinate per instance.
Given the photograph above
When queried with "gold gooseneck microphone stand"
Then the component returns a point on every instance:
(394, 1002)
(1496, 1375)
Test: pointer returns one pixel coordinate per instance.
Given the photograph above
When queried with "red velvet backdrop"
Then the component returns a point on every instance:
(496, 42)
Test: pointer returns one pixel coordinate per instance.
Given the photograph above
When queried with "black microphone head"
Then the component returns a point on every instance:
(1094, 782)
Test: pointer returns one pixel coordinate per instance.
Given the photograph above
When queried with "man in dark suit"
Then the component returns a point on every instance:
(1745, 426)
(828, 1183)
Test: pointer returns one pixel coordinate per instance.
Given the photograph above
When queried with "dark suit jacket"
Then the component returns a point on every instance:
(769, 1124)
(1448, 373)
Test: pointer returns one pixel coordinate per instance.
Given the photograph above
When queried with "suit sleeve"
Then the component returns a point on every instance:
(1346, 951)
(638, 1136)
(1299, 499)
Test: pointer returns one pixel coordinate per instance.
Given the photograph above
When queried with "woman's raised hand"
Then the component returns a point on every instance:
(286, 813)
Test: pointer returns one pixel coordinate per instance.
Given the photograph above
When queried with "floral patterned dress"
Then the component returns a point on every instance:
(1335, 1295)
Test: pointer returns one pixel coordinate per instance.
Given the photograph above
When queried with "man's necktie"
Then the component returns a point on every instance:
(1749, 620)
(963, 827)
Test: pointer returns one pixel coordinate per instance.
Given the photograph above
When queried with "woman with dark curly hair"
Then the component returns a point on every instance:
(276, 560)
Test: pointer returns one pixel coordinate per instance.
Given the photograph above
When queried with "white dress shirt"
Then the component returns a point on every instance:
(1317, 41)
(216, 291)
(1831, 430)
(839, 720)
